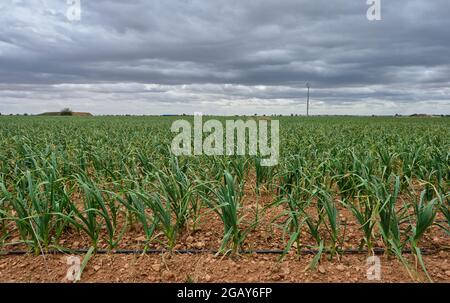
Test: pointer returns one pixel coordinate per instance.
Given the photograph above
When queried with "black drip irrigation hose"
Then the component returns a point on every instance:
(377, 251)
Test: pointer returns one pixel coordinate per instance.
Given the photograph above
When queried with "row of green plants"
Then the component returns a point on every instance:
(42, 206)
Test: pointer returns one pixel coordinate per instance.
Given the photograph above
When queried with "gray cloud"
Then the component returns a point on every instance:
(225, 56)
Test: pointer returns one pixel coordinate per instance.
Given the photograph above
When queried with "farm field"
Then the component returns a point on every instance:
(108, 189)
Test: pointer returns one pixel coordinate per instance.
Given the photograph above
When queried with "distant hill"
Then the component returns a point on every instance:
(77, 114)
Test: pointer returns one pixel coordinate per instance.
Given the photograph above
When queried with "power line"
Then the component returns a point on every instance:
(307, 100)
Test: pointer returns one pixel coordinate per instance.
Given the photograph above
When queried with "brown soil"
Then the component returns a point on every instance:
(207, 268)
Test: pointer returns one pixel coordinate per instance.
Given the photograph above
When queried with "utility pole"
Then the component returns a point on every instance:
(307, 100)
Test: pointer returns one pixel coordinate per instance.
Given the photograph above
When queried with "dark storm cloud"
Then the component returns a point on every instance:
(216, 54)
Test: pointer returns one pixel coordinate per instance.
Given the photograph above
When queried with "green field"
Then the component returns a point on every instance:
(84, 175)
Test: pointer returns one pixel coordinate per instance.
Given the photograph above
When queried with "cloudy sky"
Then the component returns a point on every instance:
(225, 57)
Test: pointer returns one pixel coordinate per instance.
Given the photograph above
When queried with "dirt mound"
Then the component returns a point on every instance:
(77, 114)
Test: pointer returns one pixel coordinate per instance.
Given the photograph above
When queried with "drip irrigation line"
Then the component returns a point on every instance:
(440, 221)
(377, 251)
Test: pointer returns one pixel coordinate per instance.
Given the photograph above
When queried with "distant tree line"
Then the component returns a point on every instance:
(66, 112)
